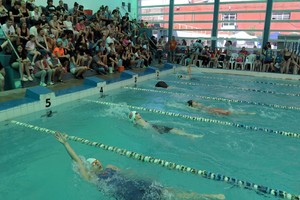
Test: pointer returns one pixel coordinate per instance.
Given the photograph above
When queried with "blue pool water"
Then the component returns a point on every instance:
(35, 166)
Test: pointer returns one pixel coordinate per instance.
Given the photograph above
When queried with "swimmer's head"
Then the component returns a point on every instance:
(161, 84)
(132, 116)
(190, 103)
(95, 164)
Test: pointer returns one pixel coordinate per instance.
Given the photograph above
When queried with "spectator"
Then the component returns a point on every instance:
(228, 51)
(172, 46)
(42, 69)
(23, 33)
(268, 58)
(31, 48)
(50, 9)
(3, 13)
(21, 63)
(14, 13)
(98, 63)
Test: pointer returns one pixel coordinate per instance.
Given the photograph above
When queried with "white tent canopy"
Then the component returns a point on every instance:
(243, 35)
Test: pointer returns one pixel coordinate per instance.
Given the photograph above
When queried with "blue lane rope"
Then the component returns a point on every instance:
(216, 98)
(201, 119)
(171, 165)
(261, 82)
(237, 88)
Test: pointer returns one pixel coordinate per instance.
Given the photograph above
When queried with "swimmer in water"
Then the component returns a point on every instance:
(219, 111)
(122, 186)
(49, 113)
(137, 119)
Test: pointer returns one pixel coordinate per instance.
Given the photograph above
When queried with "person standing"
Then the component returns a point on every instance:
(172, 46)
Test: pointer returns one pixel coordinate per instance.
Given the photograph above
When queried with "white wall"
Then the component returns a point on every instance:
(95, 5)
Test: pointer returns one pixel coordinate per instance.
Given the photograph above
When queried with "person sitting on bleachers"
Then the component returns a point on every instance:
(42, 69)
(14, 13)
(3, 13)
(98, 62)
(55, 27)
(279, 62)
(243, 52)
(24, 12)
(61, 8)
(59, 52)
(23, 33)
(55, 64)
(205, 56)
(31, 48)
(50, 9)
(30, 5)
(21, 63)
(77, 70)
(258, 62)
(9, 29)
(214, 57)
(35, 15)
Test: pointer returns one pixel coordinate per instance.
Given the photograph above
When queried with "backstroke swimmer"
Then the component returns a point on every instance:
(136, 118)
(220, 111)
(118, 185)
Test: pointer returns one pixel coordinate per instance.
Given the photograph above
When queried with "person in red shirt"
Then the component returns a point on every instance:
(173, 45)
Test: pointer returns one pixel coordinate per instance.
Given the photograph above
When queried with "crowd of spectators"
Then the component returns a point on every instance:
(262, 60)
(51, 40)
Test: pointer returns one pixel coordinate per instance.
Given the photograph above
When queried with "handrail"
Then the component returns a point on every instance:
(9, 42)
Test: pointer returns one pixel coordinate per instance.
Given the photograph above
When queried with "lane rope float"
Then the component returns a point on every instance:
(261, 82)
(237, 88)
(170, 165)
(201, 119)
(215, 98)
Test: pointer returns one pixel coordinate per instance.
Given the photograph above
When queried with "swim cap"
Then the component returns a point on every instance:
(161, 84)
(132, 116)
(91, 160)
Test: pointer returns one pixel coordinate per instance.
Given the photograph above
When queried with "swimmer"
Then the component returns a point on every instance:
(122, 186)
(219, 111)
(136, 118)
(161, 84)
(49, 113)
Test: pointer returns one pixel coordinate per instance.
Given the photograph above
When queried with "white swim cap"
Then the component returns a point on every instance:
(91, 160)
(132, 116)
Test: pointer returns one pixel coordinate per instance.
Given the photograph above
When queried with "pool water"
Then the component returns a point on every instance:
(35, 166)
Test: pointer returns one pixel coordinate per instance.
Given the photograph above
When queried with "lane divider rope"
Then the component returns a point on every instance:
(237, 88)
(216, 98)
(201, 119)
(170, 165)
(261, 82)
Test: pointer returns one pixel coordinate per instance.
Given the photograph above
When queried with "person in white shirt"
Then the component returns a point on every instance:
(8, 28)
(110, 39)
(31, 48)
(33, 29)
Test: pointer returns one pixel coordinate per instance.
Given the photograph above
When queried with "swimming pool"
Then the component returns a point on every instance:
(35, 165)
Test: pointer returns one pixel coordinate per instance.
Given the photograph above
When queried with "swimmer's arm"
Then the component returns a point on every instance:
(62, 139)
(113, 167)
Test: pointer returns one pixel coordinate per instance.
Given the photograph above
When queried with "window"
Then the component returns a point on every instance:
(281, 16)
(229, 17)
